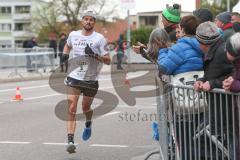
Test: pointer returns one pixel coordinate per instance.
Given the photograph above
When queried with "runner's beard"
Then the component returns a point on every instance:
(88, 28)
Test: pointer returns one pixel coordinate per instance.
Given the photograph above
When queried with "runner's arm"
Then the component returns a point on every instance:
(105, 59)
(66, 49)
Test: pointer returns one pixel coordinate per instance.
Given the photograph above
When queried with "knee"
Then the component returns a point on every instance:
(85, 108)
(73, 108)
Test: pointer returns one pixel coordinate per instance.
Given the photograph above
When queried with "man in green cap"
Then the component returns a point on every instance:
(170, 20)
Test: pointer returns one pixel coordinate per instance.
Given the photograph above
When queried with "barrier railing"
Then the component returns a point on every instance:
(30, 58)
(197, 125)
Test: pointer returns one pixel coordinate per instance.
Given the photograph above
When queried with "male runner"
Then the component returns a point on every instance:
(88, 48)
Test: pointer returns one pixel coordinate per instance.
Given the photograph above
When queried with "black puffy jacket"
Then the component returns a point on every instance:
(216, 65)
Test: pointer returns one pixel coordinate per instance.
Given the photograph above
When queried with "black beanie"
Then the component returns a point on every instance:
(203, 14)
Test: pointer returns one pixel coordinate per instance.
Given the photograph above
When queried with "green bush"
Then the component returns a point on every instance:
(140, 35)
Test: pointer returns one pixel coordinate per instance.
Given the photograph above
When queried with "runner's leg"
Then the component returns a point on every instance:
(86, 107)
(73, 96)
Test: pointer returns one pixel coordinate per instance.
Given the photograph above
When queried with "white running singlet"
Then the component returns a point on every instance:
(81, 66)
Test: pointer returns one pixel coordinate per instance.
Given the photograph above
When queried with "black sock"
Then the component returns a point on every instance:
(71, 138)
(88, 124)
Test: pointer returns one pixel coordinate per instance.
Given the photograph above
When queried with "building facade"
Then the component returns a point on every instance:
(150, 19)
(15, 22)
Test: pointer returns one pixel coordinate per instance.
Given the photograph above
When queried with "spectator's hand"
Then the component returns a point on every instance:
(198, 85)
(206, 86)
(90, 52)
(137, 49)
(227, 83)
(65, 58)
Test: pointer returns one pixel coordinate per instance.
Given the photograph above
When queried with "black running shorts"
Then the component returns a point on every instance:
(88, 88)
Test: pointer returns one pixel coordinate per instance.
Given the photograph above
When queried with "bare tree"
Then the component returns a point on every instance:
(43, 16)
(71, 12)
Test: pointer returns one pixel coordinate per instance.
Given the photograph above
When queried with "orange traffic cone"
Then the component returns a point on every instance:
(18, 96)
(126, 81)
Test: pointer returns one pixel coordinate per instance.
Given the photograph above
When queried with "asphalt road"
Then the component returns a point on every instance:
(30, 129)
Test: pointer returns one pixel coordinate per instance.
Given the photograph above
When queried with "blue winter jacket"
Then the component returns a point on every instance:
(184, 56)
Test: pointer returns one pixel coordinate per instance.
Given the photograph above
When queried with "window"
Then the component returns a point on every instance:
(22, 26)
(18, 26)
(151, 20)
(22, 9)
(5, 10)
(5, 27)
(5, 44)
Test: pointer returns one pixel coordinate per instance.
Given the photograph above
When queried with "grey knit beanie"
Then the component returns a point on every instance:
(207, 33)
(224, 17)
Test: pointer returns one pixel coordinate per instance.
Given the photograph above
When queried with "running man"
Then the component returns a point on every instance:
(89, 47)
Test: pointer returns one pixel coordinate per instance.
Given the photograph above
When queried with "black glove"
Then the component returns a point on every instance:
(65, 58)
(55, 55)
(90, 52)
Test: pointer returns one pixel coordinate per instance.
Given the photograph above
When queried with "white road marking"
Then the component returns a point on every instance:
(109, 114)
(14, 142)
(58, 144)
(108, 145)
(24, 88)
(39, 97)
(130, 76)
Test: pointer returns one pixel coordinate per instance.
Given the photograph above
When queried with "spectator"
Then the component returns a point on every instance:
(185, 55)
(232, 83)
(30, 44)
(158, 39)
(213, 45)
(62, 42)
(203, 14)
(120, 52)
(53, 45)
(223, 21)
(235, 17)
(178, 33)
(236, 26)
(170, 19)
(216, 68)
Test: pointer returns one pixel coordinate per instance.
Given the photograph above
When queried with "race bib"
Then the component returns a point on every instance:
(80, 70)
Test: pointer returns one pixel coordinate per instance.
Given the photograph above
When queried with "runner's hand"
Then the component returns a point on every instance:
(65, 58)
(90, 52)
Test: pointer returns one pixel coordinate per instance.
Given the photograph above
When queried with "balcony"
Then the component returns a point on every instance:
(5, 34)
(22, 16)
(5, 16)
(24, 33)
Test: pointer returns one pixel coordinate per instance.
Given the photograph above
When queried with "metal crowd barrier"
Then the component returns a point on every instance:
(30, 58)
(197, 125)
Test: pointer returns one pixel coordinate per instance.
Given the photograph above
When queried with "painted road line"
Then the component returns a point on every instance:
(110, 114)
(108, 145)
(57, 144)
(23, 88)
(14, 142)
(40, 97)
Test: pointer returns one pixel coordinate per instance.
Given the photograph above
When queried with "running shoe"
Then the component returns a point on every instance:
(87, 133)
(71, 147)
